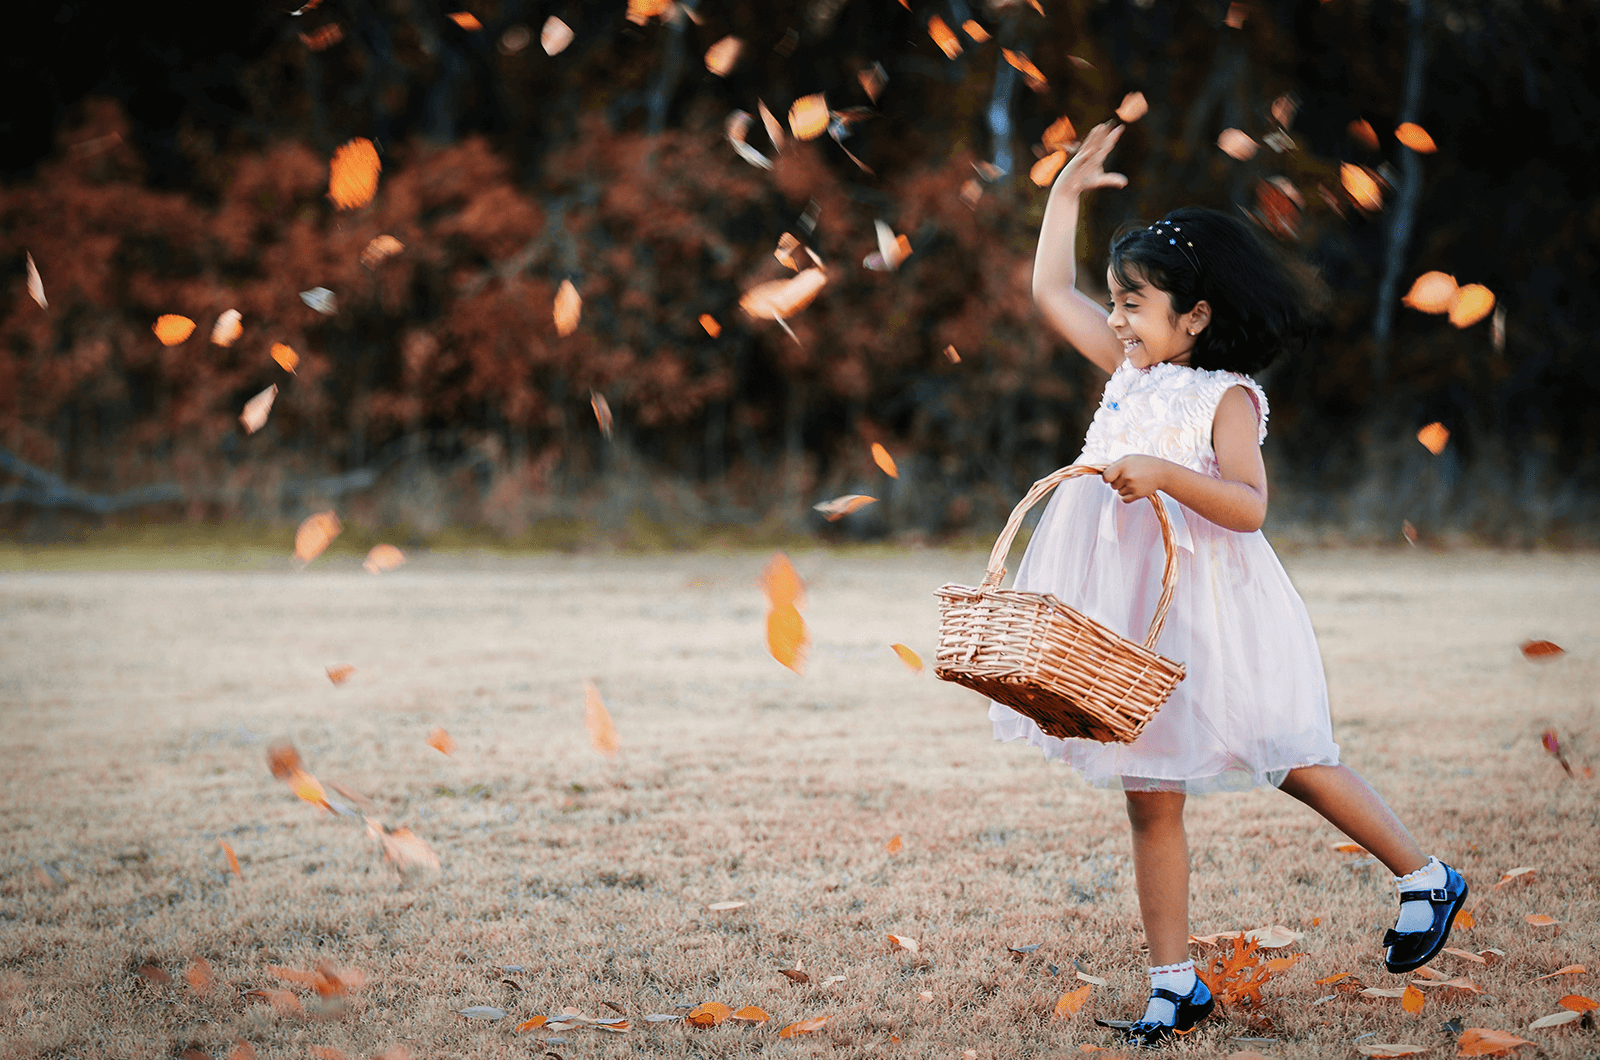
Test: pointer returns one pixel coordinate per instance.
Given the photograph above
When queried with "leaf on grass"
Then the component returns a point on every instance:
(894, 845)
(1541, 920)
(1094, 979)
(1272, 937)
(285, 356)
(1555, 1019)
(709, 1014)
(381, 249)
(227, 329)
(233, 859)
(602, 413)
(440, 741)
(1433, 437)
(1464, 955)
(1471, 304)
(325, 1052)
(341, 673)
(539, 1021)
(1412, 1000)
(808, 116)
(1133, 107)
(781, 583)
(719, 907)
(830, 980)
(881, 457)
(1579, 1003)
(912, 660)
(1482, 1041)
(1333, 978)
(602, 733)
(787, 637)
(612, 1026)
(257, 409)
(903, 942)
(1464, 920)
(794, 975)
(151, 974)
(555, 36)
(1524, 873)
(1070, 1002)
(1415, 137)
(242, 1050)
(568, 308)
(806, 1026)
(172, 329)
(723, 56)
(483, 1012)
(383, 558)
(840, 507)
(1024, 65)
(1384, 991)
(1389, 1049)
(751, 1014)
(1537, 649)
(1361, 186)
(36, 283)
(1236, 143)
(353, 174)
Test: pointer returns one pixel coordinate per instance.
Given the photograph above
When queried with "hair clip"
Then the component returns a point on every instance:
(1191, 254)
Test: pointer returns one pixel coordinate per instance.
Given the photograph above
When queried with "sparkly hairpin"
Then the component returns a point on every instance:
(1176, 238)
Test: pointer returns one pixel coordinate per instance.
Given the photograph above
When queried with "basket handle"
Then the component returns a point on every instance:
(1002, 546)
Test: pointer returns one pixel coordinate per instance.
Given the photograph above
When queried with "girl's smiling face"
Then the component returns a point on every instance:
(1151, 333)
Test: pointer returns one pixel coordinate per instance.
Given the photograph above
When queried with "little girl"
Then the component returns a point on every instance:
(1196, 305)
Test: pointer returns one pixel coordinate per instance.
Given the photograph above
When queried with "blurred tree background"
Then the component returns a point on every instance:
(162, 164)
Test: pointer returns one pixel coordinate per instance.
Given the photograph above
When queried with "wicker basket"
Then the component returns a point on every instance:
(1070, 674)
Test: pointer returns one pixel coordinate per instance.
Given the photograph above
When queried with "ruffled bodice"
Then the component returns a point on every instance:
(1166, 411)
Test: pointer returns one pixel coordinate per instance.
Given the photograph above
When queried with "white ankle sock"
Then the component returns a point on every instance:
(1178, 978)
(1418, 916)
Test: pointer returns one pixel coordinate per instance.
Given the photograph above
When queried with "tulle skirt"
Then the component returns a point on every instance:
(1253, 703)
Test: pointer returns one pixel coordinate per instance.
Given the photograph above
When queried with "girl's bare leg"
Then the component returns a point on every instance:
(1339, 794)
(1161, 869)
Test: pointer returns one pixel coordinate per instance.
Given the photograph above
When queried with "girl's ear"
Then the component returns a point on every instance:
(1197, 318)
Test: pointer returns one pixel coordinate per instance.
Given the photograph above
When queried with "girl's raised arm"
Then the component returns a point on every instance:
(1074, 314)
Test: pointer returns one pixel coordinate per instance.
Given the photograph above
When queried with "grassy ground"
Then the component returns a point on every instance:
(138, 707)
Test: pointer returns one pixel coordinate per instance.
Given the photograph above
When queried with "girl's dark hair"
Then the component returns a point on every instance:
(1259, 306)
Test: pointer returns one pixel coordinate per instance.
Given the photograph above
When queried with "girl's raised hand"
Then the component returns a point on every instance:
(1087, 168)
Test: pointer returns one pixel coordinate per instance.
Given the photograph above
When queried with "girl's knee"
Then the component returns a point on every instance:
(1154, 809)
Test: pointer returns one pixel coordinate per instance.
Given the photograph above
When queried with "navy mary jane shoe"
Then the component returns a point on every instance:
(1191, 1010)
(1406, 950)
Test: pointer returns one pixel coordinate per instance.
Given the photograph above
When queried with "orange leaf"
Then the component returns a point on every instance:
(943, 37)
(709, 322)
(1415, 137)
(602, 734)
(1481, 1041)
(283, 760)
(285, 356)
(808, 1026)
(314, 535)
(324, 38)
(1525, 873)
(709, 1014)
(466, 20)
(1362, 133)
(383, 557)
(602, 413)
(778, 299)
(903, 942)
(1059, 134)
(381, 249)
(568, 308)
(1464, 920)
(1471, 304)
(1361, 186)
(975, 31)
(1413, 1000)
(642, 11)
(872, 79)
(1350, 848)
(1571, 969)
(1045, 170)
(894, 845)
(532, 1024)
(781, 582)
(151, 974)
(808, 116)
(282, 1000)
(751, 1014)
(440, 741)
(308, 788)
(1237, 144)
(912, 660)
(1541, 920)
(341, 673)
(1433, 437)
(1333, 978)
(722, 56)
(1025, 65)
(1133, 107)
(233, 859)
(881, 457)
(787, 637)
(1073, 1000)
(200, 977)
(951, 355)
(1432, 292)
(227, 329)
(773, 126)
(172, 329)
(840, 507)
(257, 409)
(353, 174)
(1236, 15)
(291, 975)
(1579, 1003)
(406, 851)
(555, 36)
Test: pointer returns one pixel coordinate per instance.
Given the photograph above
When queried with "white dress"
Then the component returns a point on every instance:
(1254, 703)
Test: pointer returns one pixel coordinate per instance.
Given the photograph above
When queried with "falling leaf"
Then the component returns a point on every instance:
(903, 942)
(808, 1026)
(1283, 110)
(1070, 1002)
(602, 413)
(440, 741)
(1433, 437)
(353, 174)
(1541, 920)
(1579, 1003)
(227, 329)
(1386, 1049)
(1432, 292)
(36, 283)
(971, 191)
(172, 329)
(466, 20)
(781, 582)
(309, 789)
(379, 250)
(322, 39)
(881, 457)
(808, 116)
(1481, 1041)
(1555, 1019)
(1045, 170)
(1412, 1000)
(555, 36)
(785, 251)
(568, 308)
(895, 845)
(872, 80)
(892, 249)
(720, 907)
(256, 410)
(514, 39)
(1408, 532)
(1497, 329)
(912, 660)
(723, 56)
(840, 507)
(951, 355)
(642, 11)
(1415, 137)
(1025, 66)
(1132, 108)
(709, 1014)
(1361, 186)
(975, 31)
(340, 674)
(771, 124)
(1237, 13)
(750, 1014)
(314, 535)
(942, 36)
(1361, 132)
(787, 637)
(709, 322)
(282, 759)
(602, 734)
(233, 859)
(406, 851)
(779, 299)
(483, 1012)
(1539, 649)
(1059, 135)
(1237, 144)
(1471, 304)
(383, 558)
(287, 359)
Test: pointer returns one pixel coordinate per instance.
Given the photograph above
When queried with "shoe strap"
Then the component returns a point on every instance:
(1438, 896)
(1167, 995)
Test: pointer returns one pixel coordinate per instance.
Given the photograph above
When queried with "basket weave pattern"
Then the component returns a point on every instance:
(1072, 675)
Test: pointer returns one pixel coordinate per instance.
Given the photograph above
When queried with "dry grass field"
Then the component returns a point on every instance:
(139, 706)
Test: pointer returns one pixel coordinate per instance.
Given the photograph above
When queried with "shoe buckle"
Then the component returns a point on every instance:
(1440, 895)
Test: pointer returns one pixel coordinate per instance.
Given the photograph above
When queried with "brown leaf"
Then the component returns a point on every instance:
(795, 975)
(353, 174)
(808, 116)
(1236, 15)
(382, 558)
(466, 20)
(709, 322)
(912, 660)
(709, 1014)
(1237, 144)
(1571, 969)
(750, 1014)
(555, 36)
(1024, 65)
(326, 1052)
(840, 507)
(1481, 1041)
(602, 414)
(1412, 1000)
(1415, 137)
(316, 533)
(242, 1050)
(36, 283)
(568, 308)
(602, 734)
(787, 637)
(257, 409)
(1433, 437)
(285, 356)
(1070, 1002)
(642, 11)
(943, 37)
(151, 974)
(440, 741)
(1522, 873)
(723, 56)
(321, 40)
(283, 760)
(1471, 304)
(341, 673)
(229, 326)
(381, 249)
(806, 1026)
(1132, 108)
(233, 860)
(781, 583)
(172, 329)
(1579, 1003)
(1539, 649)
(1541, 920)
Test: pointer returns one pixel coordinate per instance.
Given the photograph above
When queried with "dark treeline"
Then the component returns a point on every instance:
(181, 167)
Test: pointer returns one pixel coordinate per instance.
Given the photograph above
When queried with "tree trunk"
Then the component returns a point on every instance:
(1403, 218)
